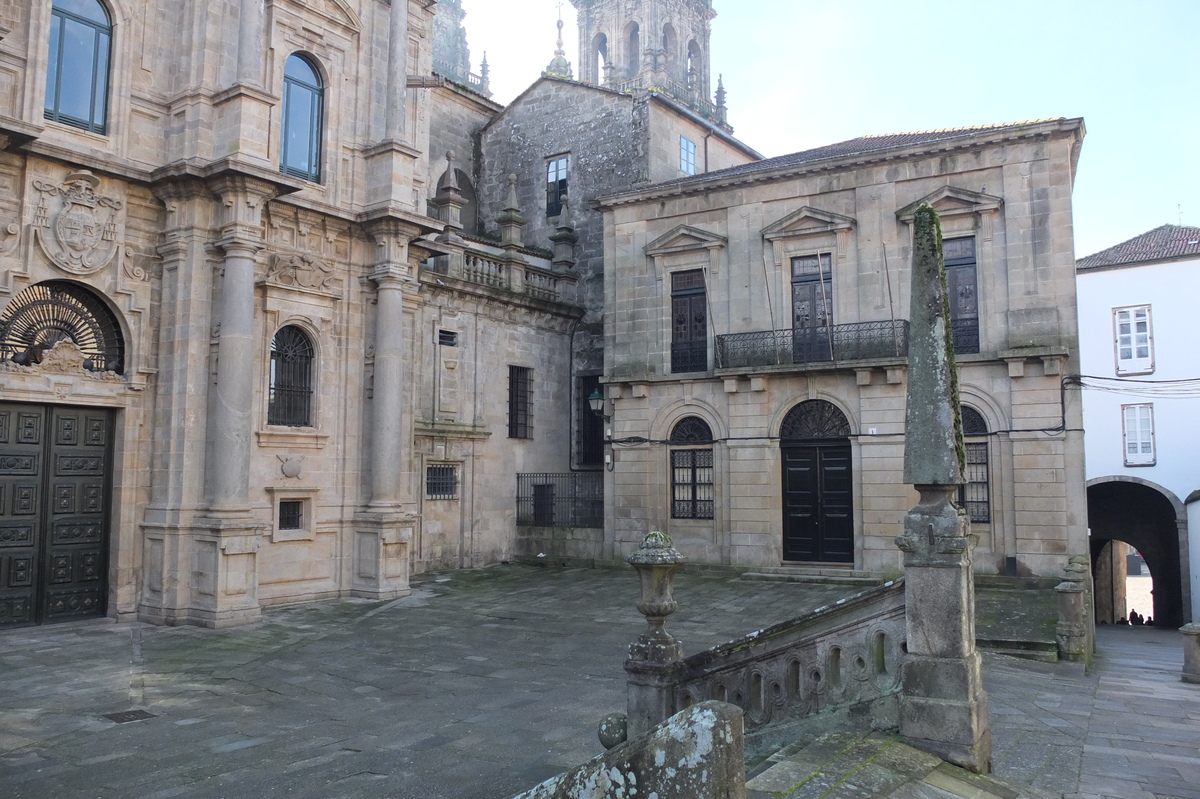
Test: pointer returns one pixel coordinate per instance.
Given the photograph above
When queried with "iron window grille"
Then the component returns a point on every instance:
(568, 499)
(974, 494)
(77, 72)
(291, 514)
(814, 419)
(46, 313)
(689, 322)
(290, 395)
(692, 470)
(441, 481)
(303, 109)
(556, 184)
(519, 379)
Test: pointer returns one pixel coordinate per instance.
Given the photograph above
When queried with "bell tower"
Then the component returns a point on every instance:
(658, 44)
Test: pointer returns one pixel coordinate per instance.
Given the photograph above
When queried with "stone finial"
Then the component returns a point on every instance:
(656, 561)
(485, 76)
(559, 66)
(510, 218)
(722, 108)
(564, 239)
(449, 202)
(933, 449)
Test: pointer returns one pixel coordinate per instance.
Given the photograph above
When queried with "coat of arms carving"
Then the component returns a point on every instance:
(302, 271)
(75, 226)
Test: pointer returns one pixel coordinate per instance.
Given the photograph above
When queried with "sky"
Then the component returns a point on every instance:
(804, 73)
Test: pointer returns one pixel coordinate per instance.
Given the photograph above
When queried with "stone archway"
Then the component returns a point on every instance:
(1152, 521)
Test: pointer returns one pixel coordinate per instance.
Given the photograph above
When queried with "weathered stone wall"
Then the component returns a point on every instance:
(667, 125)
(1027, 328)
(456, 117)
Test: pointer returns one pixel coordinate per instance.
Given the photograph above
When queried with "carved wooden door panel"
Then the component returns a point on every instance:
(54, 515)
(818, 513)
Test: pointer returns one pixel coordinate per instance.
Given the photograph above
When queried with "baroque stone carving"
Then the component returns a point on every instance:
(13, 234)
(64, 358)
(302, 271)
(75, 226)
(139, 265)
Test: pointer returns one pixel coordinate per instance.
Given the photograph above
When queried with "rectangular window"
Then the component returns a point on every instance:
(1139, 434)
(692, 484)
(973, 496)
(962, 288)
(441, 481)
(687, 156)
(689, 322)
(812, 308)
(556, 184)
(519, 378)
(291, 514)
(1134, 342)
(589, 428)
(447, 338)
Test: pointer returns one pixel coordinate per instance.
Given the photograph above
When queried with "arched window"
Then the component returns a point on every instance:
(45, 314)
(973, 494)
(633, 53)
(814, 419)
(670, 46)
(691, 469)
(303, 110)
(694, 65)
(290, 401)
(600, 48)
(77, 72)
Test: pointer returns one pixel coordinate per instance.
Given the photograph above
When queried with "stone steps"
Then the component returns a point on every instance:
(848, 765)
(814, 575)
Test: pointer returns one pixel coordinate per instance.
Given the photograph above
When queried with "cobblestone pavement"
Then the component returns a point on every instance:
(482, 684)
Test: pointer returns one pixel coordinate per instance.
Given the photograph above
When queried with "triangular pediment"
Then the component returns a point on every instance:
(950, 200)
(338, 12)
(684, 238)
(805, 221)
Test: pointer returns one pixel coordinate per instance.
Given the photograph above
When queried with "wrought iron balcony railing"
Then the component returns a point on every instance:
(966, 335)
(854, 342)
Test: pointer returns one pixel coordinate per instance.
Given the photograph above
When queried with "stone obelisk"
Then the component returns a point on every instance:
(943, 707)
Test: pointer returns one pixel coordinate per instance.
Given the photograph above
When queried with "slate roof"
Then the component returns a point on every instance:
(863, 145)
(1161, 244)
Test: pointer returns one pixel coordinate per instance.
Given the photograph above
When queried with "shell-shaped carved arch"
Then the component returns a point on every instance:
(814, 419)
(58, 310)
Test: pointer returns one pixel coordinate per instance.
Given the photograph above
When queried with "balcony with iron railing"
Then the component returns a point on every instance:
(859, 341)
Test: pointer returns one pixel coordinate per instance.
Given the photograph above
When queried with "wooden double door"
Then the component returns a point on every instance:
(55, 489)
(818, 503)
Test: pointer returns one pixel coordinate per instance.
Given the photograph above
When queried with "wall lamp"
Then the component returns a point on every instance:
(596, 403)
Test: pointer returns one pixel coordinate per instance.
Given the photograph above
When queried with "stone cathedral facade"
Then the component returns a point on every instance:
(290, 309)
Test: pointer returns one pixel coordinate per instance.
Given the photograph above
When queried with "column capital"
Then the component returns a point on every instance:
(242, 200)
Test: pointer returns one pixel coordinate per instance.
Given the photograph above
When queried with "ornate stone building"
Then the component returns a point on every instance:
(247, 357)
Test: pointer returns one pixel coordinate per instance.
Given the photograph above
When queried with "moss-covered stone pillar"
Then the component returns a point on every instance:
(943, 707)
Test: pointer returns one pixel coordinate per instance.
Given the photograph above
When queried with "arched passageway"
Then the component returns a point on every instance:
(1147, 520)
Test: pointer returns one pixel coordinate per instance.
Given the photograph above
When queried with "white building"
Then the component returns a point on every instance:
(1137, 334)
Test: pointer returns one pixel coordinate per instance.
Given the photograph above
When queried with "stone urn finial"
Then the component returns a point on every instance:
(656, 561)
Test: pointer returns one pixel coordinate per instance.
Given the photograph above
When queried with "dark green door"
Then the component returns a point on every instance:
(54, 496)
(818, 510)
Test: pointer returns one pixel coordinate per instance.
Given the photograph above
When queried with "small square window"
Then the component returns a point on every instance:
(687, 156)
(441, 481)
(291, 514)
(447, 338)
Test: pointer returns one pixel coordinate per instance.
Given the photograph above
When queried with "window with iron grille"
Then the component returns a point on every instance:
(963, 292)
(974, 494)
(589, 427)
(1138, 421)
(291, 389)
(447, 338)
(556, 184)
(687, 156)
(441, 481)
(77, 72)
(291, 514)
(519, 379)
(689, 322)
(1134, 344)
(692, 470)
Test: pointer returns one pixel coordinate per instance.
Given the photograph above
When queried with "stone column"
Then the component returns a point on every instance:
(225, 589)
(392, 163)
(243, 110)
(384, 528)
(397, 77)
(943, 707)
(250, 43)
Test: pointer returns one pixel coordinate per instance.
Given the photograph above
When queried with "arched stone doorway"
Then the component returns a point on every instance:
(818, 485)
(1150, 520)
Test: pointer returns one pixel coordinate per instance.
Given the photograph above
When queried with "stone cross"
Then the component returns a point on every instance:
(943, 707)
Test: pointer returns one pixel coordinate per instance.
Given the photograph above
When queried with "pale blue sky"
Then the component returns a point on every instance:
(803, 73)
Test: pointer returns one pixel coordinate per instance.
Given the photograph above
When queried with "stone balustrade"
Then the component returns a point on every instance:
(495, 268)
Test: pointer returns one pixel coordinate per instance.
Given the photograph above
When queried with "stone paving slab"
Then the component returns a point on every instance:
(483, 684)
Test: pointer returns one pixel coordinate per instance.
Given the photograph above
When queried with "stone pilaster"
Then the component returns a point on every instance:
(243, 110)
(391, 164)
(943, 707)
